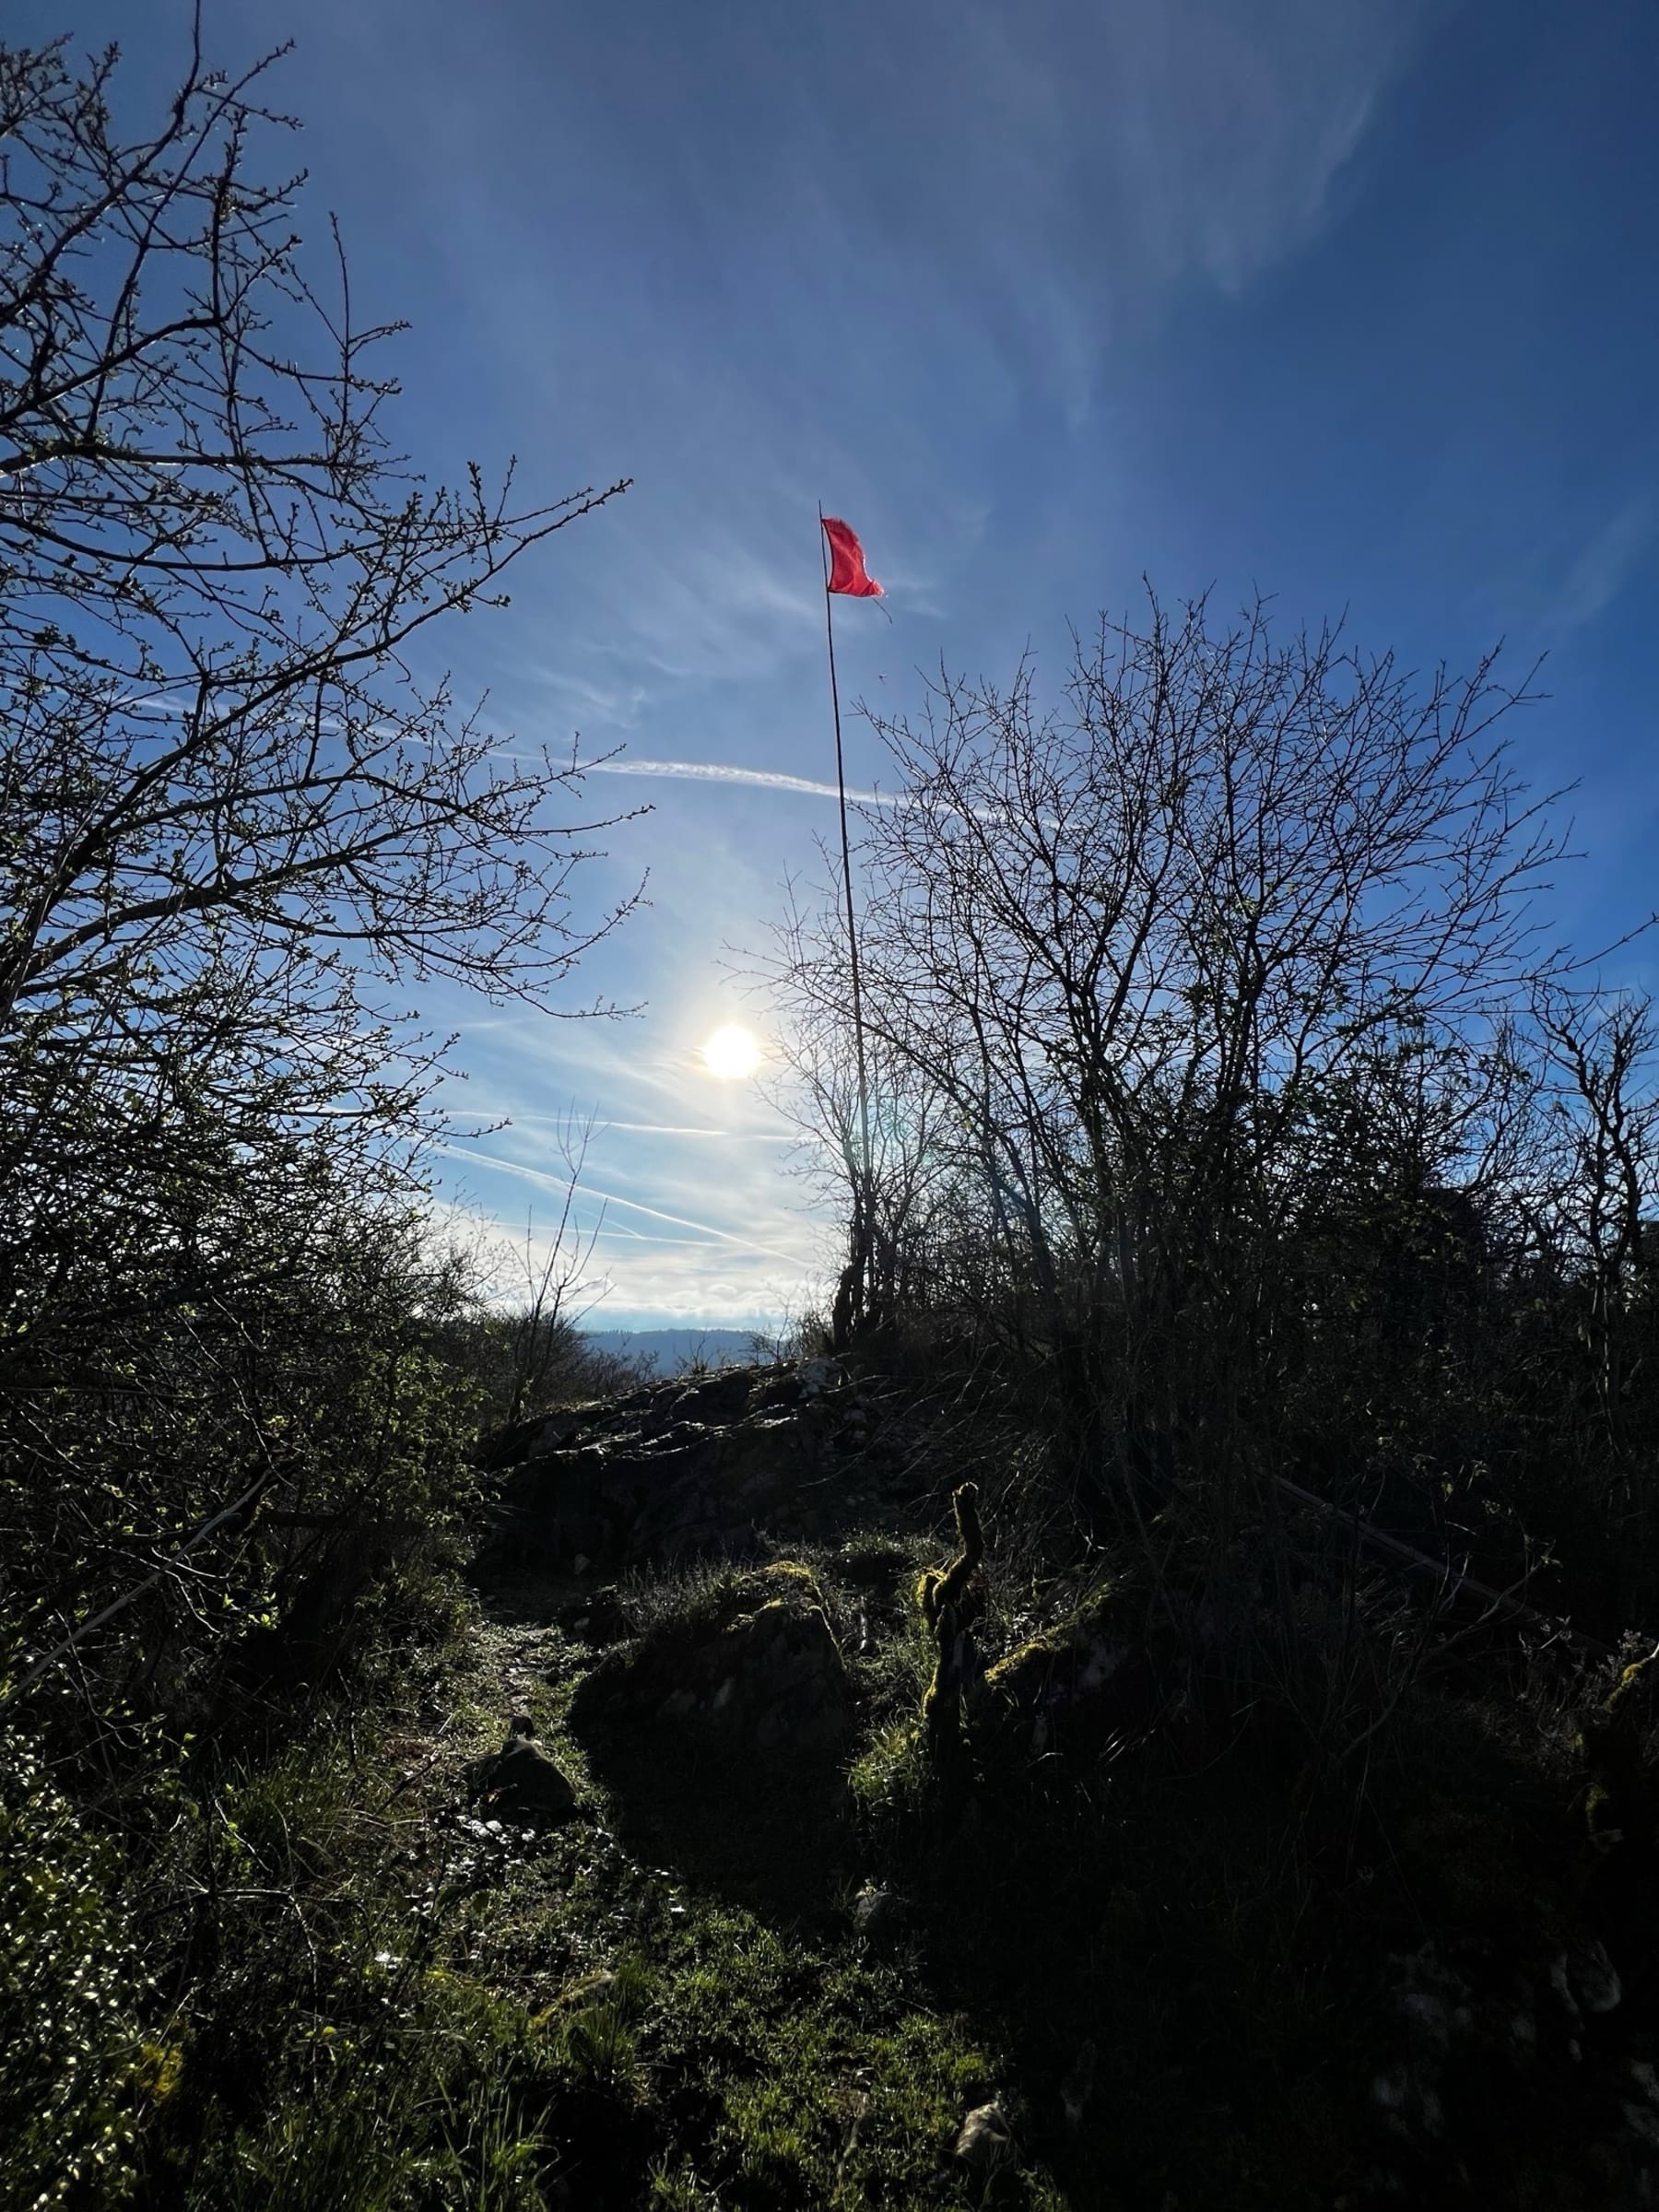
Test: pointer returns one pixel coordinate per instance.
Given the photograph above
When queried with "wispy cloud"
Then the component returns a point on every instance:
(856, 297)
(1230, 126)
(703, 1229)
(908, 291)
(1598, 573)
(608, 1198)
(636, 1278)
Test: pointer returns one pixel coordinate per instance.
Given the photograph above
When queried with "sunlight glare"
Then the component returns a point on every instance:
(732, 1053)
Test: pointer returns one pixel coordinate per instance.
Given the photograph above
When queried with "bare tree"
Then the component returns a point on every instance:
(218, 759)
(1139, 948)
(1599, 1218)
(913, 1186)
(240, 826)
(559, 1291)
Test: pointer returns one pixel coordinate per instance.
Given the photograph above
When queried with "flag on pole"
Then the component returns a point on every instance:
(847, 572)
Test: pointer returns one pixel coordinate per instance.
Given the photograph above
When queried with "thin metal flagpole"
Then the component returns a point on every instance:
(863, 1192)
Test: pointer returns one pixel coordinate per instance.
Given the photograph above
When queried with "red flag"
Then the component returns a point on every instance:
(846, 563)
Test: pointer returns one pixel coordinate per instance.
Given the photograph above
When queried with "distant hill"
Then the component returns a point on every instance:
(672, 1349)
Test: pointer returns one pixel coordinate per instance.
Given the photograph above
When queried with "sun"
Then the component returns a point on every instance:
(732, 1053)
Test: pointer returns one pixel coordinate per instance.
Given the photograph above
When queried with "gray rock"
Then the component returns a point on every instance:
(766, 1672)
(817, 1376)
(601, 1619)
(675, 1473)
(1076, 2084)
(1586, 1981)
(875, 1910)
(521, 1783)
(985, 2141)
(720, 1398)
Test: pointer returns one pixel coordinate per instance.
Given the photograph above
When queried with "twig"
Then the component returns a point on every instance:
(1497, 1601)
(249, 1498)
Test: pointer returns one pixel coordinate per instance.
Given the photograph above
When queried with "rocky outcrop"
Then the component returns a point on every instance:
(1088, 1678)
(985, 2141)
(598, 1618)
(521, 1783)
(681, 1471)
(759, 1669)
(1518, 2068)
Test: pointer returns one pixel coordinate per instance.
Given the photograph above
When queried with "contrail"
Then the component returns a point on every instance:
(521, 1120)
(790, 1259)
(772, 779)
(559, 1183)
(741, 1136)
(722, 771)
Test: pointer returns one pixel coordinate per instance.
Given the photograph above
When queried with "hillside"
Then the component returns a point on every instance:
(667, 1351)
(1142, 1704)
(1084, 1923)
(796, 1897)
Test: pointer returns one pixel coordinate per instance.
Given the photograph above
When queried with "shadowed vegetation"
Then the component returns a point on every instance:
(1119, 1742)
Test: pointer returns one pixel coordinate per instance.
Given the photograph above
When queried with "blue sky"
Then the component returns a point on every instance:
(1351, 299)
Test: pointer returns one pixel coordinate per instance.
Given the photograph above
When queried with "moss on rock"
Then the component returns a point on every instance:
(760, 1665)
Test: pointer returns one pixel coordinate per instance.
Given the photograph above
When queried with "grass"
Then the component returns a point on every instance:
(362, 1996)
(560, 2019)
(381, 2002)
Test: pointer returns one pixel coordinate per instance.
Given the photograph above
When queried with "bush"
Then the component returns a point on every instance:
(74, 2066)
